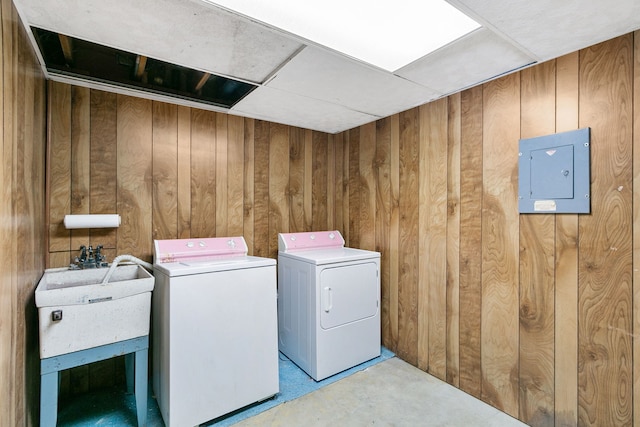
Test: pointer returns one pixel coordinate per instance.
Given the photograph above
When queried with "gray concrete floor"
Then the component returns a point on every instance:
(390, 393)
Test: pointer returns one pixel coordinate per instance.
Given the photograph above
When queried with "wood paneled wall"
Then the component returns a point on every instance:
(22, 207)
(535, 314)
(177, 172)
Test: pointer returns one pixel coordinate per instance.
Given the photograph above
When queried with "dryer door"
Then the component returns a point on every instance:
(348, 293)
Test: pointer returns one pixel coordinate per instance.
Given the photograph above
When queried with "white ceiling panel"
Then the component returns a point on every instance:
(183, 32)
(289, 108)
(315, 87)
(551, 28)
(474, 58)
(327, 76)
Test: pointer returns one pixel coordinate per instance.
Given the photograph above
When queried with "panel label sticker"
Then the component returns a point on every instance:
(544, 206)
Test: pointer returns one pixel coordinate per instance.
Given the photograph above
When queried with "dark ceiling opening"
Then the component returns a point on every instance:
(68, 56)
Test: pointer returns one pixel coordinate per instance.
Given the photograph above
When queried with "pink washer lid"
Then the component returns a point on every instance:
(176, 250)
(288, 242)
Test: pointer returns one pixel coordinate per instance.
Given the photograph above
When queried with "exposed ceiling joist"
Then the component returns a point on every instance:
(67, 47)
(202, 81)
(141, 63)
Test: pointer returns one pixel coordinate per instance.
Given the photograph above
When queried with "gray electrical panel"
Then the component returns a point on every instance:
(554, 173)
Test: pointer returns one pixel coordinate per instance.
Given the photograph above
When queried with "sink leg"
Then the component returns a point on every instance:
(49, 399)
(141, 385)
(129, 370)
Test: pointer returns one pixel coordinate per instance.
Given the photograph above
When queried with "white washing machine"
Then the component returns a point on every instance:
(328, 302)
(214, 337)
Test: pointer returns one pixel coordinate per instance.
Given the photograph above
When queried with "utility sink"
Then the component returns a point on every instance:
(76, 311)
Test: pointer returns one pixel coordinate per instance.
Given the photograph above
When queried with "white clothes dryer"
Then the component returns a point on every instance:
(328, 302)
(214, 337)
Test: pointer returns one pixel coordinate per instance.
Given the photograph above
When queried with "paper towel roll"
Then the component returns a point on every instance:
(92, 221)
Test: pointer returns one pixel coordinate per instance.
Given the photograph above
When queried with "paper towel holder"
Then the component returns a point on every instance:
(92, 221)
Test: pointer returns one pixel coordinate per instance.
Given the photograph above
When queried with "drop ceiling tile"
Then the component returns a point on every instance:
(279, 106)
(323, 75)
(469, 60)
(551, 28)
(317, 88)
(183, 32)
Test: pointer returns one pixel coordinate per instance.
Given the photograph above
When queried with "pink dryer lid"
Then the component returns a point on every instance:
(180, 250)
(291, 242)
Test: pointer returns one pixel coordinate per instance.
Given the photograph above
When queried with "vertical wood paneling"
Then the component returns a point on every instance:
(80, 152)
(203, 174)
(382, 167)
(102, 168)
(367, 209)
(9, 299)
(433, 232)
(471, 240)
(7, 295)
(537, 259)
(135, 176)
(24, 218)
(345, 186)
(278, 186)
(318, 168)
(24, 159)
(636, 227)
(309, 191)
(261, 188)
(394, 232)
(424, 244)
(566, 301)
(11, 354)
(297, 157)
(29, 162)
(59, 165)
(8, 291)
(339, 199)
(605, 258)
(235, 172)
(11, 98)
(184, 173)
(221, 189)
(408, 261)
(501, 116)
(165, 171)
(249, 177)
(353, 235)
(453, 239)
(34, 222)
(331, 182)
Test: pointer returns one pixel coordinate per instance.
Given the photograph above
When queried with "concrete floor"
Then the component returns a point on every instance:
(390, 393)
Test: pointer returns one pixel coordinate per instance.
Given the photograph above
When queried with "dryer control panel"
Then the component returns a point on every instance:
(288, 242)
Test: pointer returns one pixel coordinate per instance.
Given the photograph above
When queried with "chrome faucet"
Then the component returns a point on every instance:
(89, 258)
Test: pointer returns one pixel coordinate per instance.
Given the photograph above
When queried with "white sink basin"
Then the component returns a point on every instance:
(77, 312)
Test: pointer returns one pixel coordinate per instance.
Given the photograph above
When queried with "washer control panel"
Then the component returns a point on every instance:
(177, 250)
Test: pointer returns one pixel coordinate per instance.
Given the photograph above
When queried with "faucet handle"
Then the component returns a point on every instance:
(100, 258)
(89, 258)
